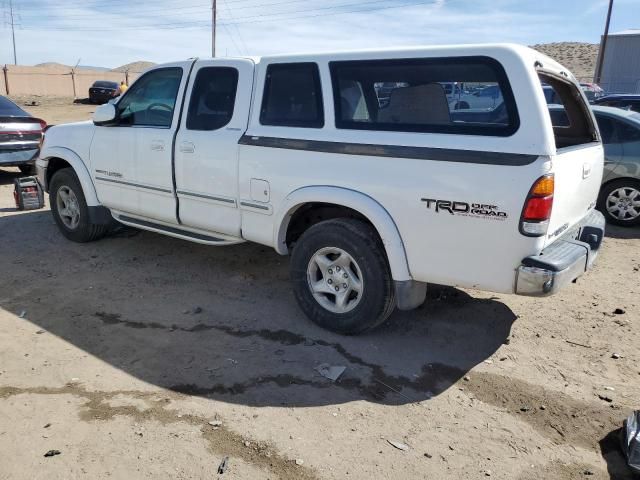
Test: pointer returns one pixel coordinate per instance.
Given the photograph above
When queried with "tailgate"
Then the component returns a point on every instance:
(578, 174)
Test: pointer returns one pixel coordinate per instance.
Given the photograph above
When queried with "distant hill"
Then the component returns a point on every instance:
(55, 65)
(134, 67)
(89, 67)
(579, 58)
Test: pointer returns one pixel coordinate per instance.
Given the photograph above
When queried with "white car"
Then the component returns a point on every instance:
(372, 198)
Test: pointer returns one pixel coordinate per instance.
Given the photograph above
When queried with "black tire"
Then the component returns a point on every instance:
(628, 184)
(461, 106)
(27, 169)
(84, 231)
(362, 243)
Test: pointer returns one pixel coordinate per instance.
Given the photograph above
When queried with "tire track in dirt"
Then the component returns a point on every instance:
(222, 441)
(556, 415)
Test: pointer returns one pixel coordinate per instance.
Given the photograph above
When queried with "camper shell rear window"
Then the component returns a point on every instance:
(574, 124)
(457, 95)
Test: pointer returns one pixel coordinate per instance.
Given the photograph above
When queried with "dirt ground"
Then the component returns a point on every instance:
(119, 354)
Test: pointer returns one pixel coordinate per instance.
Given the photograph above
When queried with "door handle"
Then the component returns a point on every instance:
(157, 145)
(187, 147)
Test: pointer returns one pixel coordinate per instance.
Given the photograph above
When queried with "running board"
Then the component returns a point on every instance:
(176, 232)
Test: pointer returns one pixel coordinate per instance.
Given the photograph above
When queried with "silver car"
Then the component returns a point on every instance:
(619, 198)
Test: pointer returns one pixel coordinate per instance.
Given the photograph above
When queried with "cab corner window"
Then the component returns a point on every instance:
(465, 95)
(151, 100)
(213, 98)
(292, 96)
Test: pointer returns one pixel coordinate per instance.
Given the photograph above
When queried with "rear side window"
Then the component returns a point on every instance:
(213, 98)
(462, 95)
(628, 133)
(607, 129)
(292, 96)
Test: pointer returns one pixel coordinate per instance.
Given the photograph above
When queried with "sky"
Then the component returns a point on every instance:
(110, 33)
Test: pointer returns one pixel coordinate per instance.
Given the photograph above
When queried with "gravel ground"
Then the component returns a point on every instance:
(119, 354)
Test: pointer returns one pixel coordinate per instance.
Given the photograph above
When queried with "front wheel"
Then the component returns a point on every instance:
(620, 202)
(70, 210)
(341, 278)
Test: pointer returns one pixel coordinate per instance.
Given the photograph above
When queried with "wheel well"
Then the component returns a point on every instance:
(312, 213)
(54, 165)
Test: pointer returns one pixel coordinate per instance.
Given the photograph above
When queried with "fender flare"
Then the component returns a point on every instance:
(73, 159)
(360, 202)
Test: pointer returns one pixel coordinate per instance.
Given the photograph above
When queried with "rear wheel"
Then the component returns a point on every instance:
(620, 202)
(70, 210)
(340, 276)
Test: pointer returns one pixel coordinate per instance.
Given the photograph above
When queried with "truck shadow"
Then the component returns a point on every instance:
(615, 231)
(222, 322)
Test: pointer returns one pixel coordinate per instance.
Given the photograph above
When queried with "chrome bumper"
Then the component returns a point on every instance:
(563, 261)
(13, 158)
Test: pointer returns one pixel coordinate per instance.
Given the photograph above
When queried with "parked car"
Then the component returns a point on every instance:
(485, 97)
(619, 198)
(550, 95)
(372, 200)
(592, 91)
(625, 101)
(102, 91)
(20, 137)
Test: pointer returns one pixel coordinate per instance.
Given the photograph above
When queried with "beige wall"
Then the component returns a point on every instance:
(53, 81)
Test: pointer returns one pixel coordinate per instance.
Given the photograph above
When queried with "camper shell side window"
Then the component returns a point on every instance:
(454, 95)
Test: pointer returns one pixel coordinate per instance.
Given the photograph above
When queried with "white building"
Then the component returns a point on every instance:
(621, 67)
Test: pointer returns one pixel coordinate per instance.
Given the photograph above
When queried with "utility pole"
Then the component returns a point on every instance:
(603, 45)
(13, 33)
(213, 28)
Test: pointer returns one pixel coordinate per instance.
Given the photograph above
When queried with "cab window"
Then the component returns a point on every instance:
(292, 96)
(151, 100)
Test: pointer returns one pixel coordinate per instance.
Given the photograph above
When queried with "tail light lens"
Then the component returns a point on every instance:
(43, 128)
(536, 213)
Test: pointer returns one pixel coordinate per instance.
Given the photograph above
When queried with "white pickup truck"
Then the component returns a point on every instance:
(372, 197)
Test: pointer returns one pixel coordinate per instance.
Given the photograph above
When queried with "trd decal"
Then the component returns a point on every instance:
(478, 210)
(109, 174)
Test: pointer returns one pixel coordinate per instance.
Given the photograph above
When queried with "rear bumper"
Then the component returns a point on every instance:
(563, 261)
(17, 157)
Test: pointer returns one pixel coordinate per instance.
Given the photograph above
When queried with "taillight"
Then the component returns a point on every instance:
(537, 208)
(43, 128)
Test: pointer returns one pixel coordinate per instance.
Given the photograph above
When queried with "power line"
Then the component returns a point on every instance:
(284, 16)
(244, 45)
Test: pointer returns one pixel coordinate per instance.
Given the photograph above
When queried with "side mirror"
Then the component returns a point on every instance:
(105, 115)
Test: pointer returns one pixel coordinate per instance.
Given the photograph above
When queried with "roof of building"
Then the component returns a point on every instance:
(631, 31)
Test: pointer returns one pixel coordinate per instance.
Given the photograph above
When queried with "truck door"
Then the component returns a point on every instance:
(131, 159)
(206, 156)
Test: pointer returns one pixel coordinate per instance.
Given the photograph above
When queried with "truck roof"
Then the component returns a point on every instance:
(526, 54)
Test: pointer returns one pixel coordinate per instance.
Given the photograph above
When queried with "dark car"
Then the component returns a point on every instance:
(626, 101)
(102, 91)
(619, 198)
(20, 137)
